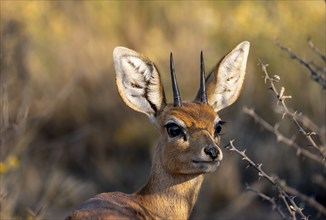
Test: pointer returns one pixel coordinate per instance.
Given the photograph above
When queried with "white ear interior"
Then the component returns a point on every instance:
(224, 83)
(138, 81)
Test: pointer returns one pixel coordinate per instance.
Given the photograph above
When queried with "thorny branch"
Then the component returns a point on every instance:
(293, 115)
(269, 199)
(314, 73)
(316, 50)
(309, 200)
(286, 193)
(288, 200)
(281, 138)
(308, 124)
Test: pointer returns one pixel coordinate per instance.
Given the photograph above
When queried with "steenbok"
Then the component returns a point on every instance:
(189, 143)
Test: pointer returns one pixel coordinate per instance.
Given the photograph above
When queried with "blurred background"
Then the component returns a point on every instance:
(66, 135)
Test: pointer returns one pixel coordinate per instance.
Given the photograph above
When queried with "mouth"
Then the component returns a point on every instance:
(206, 166)
(205, 161)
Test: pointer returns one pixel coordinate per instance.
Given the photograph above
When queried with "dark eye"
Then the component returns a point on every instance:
(218, 129)
(174, 130)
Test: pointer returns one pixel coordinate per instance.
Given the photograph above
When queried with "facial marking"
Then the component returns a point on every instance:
(193, 116)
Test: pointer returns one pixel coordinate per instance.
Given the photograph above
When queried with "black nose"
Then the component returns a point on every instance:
(213, 152)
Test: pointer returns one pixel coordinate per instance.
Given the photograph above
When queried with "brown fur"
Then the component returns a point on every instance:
(179, 161)
(167, 194)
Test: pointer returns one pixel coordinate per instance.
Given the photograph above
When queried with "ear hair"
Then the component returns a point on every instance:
(224, 83)
(138, 81)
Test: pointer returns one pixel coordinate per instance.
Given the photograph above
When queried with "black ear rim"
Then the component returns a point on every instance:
(152, 92)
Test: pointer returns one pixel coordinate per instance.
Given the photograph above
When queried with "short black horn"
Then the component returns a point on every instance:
(203, 94)
(176, 93)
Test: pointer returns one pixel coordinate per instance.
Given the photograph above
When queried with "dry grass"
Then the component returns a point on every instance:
(65, 134)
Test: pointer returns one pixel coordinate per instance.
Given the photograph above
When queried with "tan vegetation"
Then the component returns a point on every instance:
(66, 135)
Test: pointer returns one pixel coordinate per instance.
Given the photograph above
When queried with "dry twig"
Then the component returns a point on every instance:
(316, 50)
(286, 112)
(309, 200)
(269, 199)
(308, 124)
(288, 200)
(281, 138)
(314, 72)
(5, 111)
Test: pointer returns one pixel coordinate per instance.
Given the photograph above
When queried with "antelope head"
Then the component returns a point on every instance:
(189, 144)
(190, 130)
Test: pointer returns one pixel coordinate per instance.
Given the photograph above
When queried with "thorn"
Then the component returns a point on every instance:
(278, 138)
(247, 186)
(298, 152)
(313, 133)
(281, 92)
(287, 97)
(277, 78)
(228, 146)
(292, 208)
(295, 113)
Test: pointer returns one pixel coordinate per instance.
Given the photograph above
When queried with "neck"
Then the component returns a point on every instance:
(169, 196)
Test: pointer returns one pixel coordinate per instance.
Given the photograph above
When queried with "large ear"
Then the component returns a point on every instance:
(138, 81)
(224, 83)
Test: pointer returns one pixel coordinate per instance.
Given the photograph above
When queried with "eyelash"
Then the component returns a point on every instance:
(218, 128)
(175, 130)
